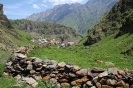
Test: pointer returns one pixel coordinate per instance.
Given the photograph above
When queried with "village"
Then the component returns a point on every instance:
(53, 42)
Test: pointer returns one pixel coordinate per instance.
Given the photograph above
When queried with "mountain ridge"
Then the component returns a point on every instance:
(77, 16)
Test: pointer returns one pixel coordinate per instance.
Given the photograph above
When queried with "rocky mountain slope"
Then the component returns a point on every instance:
(117, 23)
(9, 36)
(77, 16)
(6, 30)
(48, 30)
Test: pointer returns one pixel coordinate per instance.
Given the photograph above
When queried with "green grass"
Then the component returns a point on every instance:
(108, 49)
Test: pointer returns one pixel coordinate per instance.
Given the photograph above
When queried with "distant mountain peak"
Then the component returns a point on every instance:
(77, 16)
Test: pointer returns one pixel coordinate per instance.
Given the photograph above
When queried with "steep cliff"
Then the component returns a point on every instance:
(10, 37)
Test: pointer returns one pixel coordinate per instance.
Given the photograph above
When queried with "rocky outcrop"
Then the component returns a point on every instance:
(33, 69)
(1, 8)
(3, 19)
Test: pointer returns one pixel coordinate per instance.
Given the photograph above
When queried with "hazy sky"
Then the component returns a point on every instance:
(18, 9)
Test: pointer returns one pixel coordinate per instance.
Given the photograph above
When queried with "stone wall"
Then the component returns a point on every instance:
(33, 69)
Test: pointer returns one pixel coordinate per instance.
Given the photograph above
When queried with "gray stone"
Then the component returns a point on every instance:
(97, 70)
(20, 55)
(29, 80)
(106, 86)
(76, 68)
(98, 85)
(18, 77)
(36, 59)
(89, 83)
(29, 67)
(111, 82)
(82, 72)
(9, 63)
(62, 64)
(113, 71)
(53, 80)
(105, 73)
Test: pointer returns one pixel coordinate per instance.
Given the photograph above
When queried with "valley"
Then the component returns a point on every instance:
(31, 54)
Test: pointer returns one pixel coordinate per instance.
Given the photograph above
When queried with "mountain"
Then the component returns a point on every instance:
(115, 26)
(77, 16)
(47, 30)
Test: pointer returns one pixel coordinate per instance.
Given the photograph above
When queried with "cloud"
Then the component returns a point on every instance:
(56, 2)
(36, 6)
(43, 5)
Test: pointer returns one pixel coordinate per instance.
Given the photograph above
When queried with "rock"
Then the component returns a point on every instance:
(5, 74)
(18, 77)
(73, 83)
(37, 77)
(106, 86)
(109, 64)
(20, 55)
(38, 60)
(105, 73)
(52, 75)
(9, 63)
(89, 83)
(38, 69)
(111, 82)
(19, 67)
(79, 81)
(120, 83)
(62, 64)
(63, 80)
(52, 66)
(93, 87)
(85, 78)
(102, 80)
(32, 72)
(53, 80)
(97, 70)
(65, 84)
(29, 80)
(76, 68)
(72, 75)
(82, 72)
(34, 84)
(95, 80)
(69, 66)
(55, 72)
(46, 61)
(121, 72)
(29, 67)
(98, 85)
(113, 71)
(46, 77)
(1, 8)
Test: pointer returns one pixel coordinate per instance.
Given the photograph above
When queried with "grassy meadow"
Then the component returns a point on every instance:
(107, 50)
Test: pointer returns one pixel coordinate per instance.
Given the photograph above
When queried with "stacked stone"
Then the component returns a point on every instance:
(33, 69)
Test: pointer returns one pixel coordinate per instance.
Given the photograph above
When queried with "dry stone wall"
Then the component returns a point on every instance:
(33, 69)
